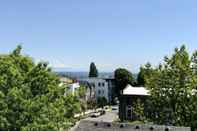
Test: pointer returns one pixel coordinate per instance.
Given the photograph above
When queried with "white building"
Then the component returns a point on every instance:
(138, 91)
(99, 86)
(73, 87)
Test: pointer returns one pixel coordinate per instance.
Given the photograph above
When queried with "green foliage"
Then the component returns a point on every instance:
(30, 96)
(81, 94)
(173, 88)
(138, 109)
(101, 102)
(144, 72)
(91, 104)
(122, 77)
(93, 70)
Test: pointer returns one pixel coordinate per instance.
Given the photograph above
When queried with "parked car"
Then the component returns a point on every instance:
(102, 112)
(114, 108)
(106, 108)
(95, 114)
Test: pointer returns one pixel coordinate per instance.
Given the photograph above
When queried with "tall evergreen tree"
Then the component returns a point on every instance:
(93, 70)
(145, 71)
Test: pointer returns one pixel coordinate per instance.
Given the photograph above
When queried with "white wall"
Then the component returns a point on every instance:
(72, 87)
(100, 86)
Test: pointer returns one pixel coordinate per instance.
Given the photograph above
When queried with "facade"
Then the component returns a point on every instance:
(100, 87)
(127, 99)
(111, 89)
(73, 87)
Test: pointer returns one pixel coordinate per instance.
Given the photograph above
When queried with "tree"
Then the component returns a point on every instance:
(30, 96)
(81, 94)
(122, 78)
(140, 77)
(138, 109)
(173, 89)
(145, 71)
(101, 102)
(93, 70)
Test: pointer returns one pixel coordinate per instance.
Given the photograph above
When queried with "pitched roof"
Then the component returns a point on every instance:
(129, 90)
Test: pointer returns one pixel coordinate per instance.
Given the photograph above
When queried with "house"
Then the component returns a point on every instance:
(73, 87)
(100, 87)
(64, 81)
(127, 100)
(111, 89)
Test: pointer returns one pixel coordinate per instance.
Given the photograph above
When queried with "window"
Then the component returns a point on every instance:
(99, 92)
(103, 84)
(99, 84)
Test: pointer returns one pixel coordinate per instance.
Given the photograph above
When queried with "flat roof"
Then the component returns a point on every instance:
(141, 91)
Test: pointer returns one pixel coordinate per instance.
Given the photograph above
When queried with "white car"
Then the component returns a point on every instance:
(95, 114)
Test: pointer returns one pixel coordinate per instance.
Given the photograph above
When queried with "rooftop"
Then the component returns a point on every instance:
(130, 90)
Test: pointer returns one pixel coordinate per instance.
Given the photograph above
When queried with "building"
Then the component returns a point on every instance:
(66, 80)
(73, 87)
(127, 99)
(100, 87)
(111, 89)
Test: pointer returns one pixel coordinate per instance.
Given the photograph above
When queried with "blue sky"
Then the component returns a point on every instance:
(112, 33)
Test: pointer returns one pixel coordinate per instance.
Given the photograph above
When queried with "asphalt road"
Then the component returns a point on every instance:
(107, 117)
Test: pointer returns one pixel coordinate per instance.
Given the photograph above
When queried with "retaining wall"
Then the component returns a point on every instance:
(104, 126)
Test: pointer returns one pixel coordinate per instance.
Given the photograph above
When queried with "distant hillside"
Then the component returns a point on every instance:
(79, 75)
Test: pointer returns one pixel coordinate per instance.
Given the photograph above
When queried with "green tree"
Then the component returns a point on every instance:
(101, 102)
(93, 70)
(30, 96)
(91, 104)
(122, 78)
(138, 109)
(145, 71)
(81, 94)
(173, 89)
(141, 77)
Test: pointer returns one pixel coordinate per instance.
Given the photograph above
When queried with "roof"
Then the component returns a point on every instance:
(129, 90)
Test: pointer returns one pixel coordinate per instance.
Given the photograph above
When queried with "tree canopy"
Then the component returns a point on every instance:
(93, 70)
(173, 88)
(145, 71)
(30, 96)
(122, 78)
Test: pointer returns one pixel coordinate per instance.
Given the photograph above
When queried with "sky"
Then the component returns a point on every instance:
(70, 34)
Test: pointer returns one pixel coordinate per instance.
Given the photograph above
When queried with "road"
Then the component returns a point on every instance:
(109, 116)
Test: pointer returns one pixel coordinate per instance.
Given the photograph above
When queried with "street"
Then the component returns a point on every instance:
(109, 116)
